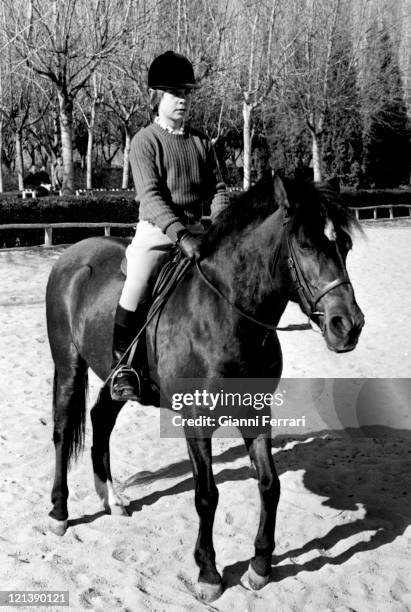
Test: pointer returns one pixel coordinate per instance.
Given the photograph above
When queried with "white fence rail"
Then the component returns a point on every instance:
(48, 227)
(390, 208)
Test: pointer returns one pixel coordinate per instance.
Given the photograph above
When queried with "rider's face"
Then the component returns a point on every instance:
(174, 106)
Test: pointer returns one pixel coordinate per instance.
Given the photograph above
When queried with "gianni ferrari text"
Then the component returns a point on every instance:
(229, 421)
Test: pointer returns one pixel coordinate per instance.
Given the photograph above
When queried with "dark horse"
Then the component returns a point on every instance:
(278, 241)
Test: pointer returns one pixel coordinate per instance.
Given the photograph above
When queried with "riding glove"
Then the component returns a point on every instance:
(190, 245)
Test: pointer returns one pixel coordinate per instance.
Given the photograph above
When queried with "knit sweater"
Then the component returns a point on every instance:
(176, 176)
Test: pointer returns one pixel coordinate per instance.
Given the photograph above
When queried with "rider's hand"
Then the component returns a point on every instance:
(190, 246)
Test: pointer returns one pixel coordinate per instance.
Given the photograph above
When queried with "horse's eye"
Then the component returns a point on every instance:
(305, 241)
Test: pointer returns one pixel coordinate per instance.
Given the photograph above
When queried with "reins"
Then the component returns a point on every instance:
(237, 308)
(234, 306)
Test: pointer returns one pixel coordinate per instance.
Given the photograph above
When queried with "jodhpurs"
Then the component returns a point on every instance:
(147, 252)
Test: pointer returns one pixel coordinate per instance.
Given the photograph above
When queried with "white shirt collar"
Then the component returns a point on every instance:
(167, 128)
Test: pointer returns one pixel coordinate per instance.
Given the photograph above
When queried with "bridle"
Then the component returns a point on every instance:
(308, 299)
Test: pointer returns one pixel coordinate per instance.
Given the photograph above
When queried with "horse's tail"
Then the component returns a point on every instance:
(75, 413)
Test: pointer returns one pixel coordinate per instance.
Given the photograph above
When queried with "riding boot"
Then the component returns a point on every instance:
(126, 382)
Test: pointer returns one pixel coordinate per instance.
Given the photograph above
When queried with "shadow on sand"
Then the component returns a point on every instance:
(328, 465)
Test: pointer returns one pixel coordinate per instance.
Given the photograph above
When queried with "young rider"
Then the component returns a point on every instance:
(175, 174)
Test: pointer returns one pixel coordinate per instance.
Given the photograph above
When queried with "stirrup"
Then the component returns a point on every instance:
(131, 389)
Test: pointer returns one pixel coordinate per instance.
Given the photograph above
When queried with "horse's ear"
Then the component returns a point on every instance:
(333, 183)
(280, 193)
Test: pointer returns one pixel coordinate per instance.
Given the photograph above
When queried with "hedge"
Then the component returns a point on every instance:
(119, 207)
(55, 209)
(122, 207)
(375, 197)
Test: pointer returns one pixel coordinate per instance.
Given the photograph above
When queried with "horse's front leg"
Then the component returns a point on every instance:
(269, 485)
(206, 499)
(103, 417)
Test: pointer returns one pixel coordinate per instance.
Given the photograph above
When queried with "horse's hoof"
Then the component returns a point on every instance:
(118, 510)
(256, 581)
(209, 592)
(58, 527)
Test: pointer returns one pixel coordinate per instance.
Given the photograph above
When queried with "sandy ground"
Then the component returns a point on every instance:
(343, 531)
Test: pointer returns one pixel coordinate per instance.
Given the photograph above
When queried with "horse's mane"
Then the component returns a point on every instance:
(248, 207)
(311, 204)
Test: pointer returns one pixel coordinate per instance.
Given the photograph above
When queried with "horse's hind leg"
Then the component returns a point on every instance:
(103, 417)
(269, 485)
(69, 410)
(206, 499)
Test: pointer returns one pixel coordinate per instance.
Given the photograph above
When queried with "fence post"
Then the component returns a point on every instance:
(107, 230)
(48, 236)
(357, 214)
(391, 212)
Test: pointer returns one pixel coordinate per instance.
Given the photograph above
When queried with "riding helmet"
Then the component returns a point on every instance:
(171, 71)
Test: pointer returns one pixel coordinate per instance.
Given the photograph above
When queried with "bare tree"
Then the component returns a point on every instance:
(87, 103)
(2, 45)
(259, 79)
(48, 136)
(255, 51)
(273, 66)
(329, 45)
(125, 99)
(309, 72)
(22, 98)
(64, 41)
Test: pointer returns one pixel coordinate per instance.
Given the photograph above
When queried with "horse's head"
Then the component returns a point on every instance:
(307, 229)
(317, 234)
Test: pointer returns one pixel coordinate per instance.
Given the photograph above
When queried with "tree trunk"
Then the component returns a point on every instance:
(316, 153)
(247, 108)
(90, 144)
(1, 155)
(66, 127)
(54, 148)
(19, 160)
(126, 159)
(89, 161)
